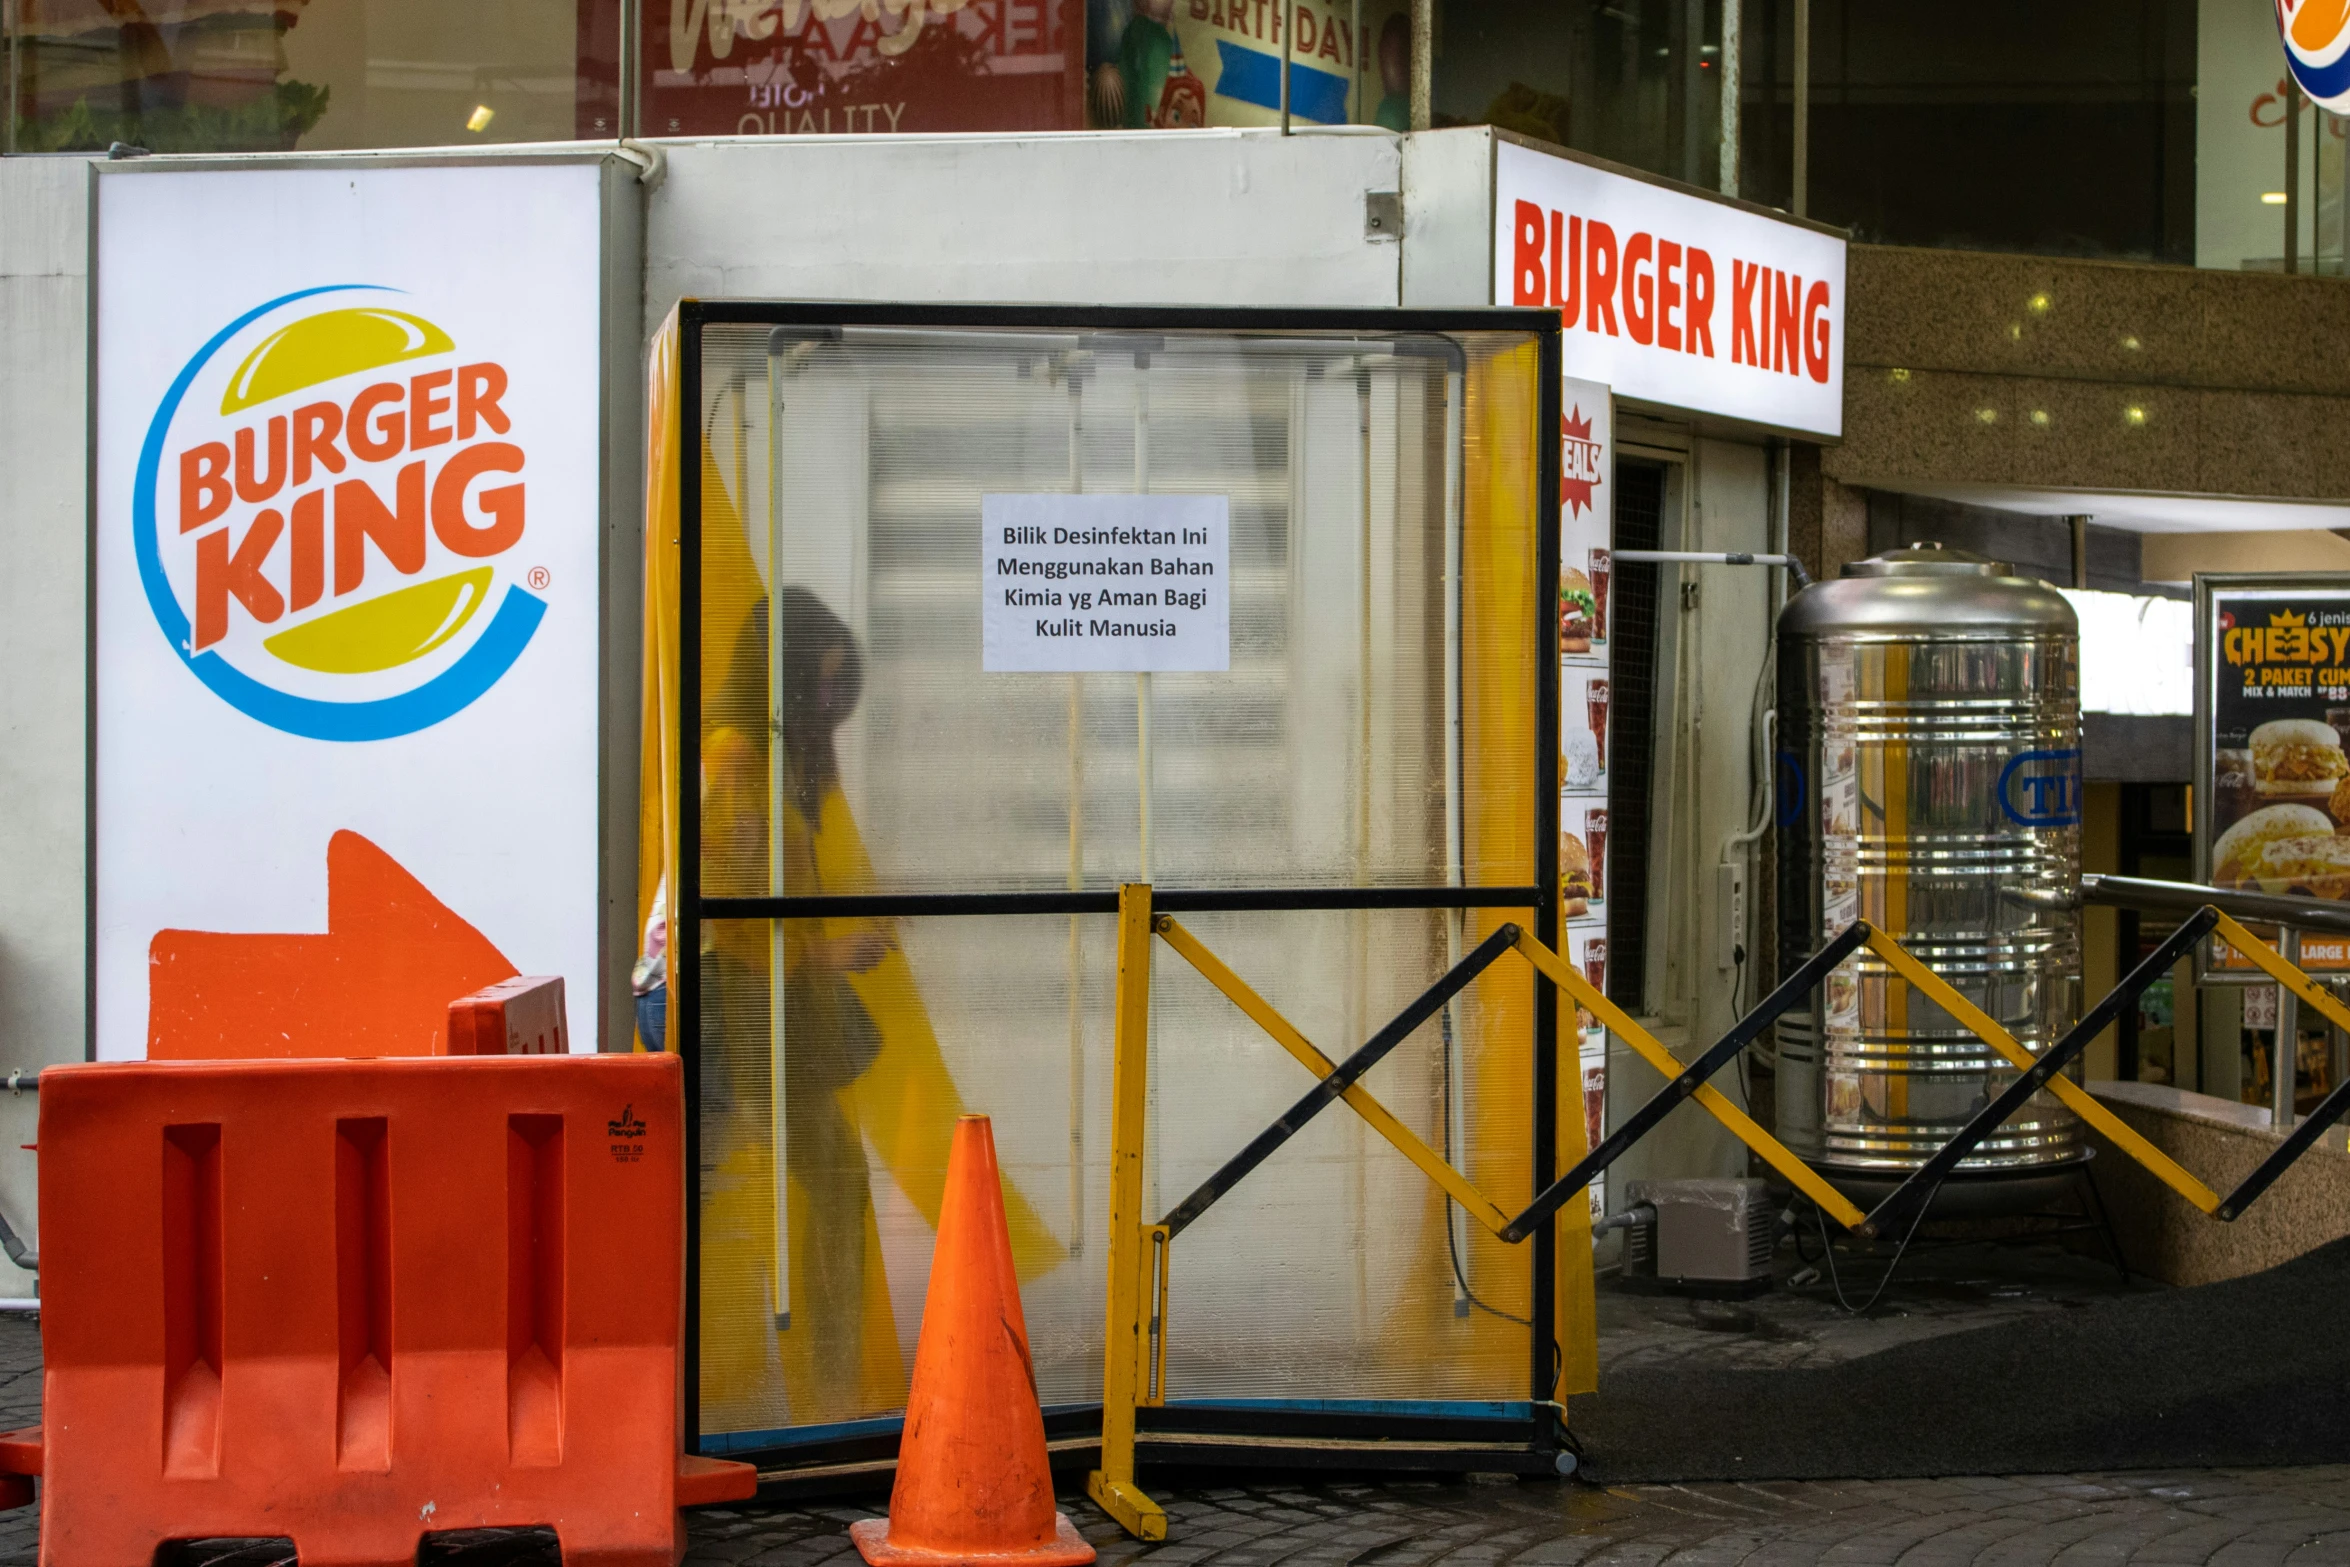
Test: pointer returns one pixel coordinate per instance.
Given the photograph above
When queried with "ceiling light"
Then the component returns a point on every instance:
(479, 120)
(2272, 198)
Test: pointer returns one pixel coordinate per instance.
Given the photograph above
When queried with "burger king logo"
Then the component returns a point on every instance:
(327, 515)
(2316, 36)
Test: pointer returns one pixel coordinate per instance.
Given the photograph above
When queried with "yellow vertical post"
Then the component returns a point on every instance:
(1126, 1334)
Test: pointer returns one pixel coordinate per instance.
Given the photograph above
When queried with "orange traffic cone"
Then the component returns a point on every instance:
(973, 1485)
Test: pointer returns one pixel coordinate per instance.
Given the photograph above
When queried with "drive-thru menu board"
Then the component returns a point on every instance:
(2272, 782)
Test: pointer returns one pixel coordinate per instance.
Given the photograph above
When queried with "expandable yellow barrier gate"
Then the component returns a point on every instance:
(1135, 1341)
(1134, 1368)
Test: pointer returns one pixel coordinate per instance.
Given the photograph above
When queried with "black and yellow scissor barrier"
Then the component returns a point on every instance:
(1135, 1357)
(1135, 1354)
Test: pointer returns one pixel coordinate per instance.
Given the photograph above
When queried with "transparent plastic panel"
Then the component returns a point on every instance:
(1376, 727)
(852, 472)
(1335, 1271)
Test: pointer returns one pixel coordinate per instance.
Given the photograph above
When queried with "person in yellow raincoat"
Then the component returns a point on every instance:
(859, 1061)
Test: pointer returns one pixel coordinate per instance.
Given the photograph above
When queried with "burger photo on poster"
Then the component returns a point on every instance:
(2296, 756)
(1574, 876)
(1578, 611)
(2283, 849)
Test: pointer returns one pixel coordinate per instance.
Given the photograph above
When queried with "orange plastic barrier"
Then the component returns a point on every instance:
(973, 1483)
(283, 1299)
(522, 1016)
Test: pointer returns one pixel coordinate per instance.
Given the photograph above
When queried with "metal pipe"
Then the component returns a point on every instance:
(1456, 1113)
(2080, 550)
(1788, 563)
(18, 1252)
(1801, 203)
(1142, 679)
(1076, 979)
(2134, 892)
(1727, 179)
(2285, 1051)
(2292, 176)
(778, 805)
(1287, 22)
(1355, 114)
(1424, 64)
(1631, 1218)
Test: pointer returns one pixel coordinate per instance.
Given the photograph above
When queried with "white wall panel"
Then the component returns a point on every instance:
(44, 299)
(1151, 217)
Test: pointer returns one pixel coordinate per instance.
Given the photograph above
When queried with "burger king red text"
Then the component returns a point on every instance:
(327, 478)
(1672, 298)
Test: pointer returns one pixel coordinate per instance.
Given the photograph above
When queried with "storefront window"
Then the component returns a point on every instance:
(245, 76)
(2246, 111)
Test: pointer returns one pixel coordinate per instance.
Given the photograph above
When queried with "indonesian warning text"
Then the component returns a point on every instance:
(1082, 584)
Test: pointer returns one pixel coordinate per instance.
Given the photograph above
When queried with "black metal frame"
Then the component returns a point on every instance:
(692, 908)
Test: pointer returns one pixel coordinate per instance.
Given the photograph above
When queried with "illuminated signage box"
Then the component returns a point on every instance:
(1671, 297)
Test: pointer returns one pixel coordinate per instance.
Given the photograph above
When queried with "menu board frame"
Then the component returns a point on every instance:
(2219, 717)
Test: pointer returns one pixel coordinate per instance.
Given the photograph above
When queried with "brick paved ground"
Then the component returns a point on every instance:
(2220, 1517)
(2215, 1516)
(2225, 1518)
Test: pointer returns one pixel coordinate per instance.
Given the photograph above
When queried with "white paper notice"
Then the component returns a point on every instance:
(1099, 584)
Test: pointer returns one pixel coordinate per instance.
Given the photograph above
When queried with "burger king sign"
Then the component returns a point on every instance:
(327, 525)
(349, 534)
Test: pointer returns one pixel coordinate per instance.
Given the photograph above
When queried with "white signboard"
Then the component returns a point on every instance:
(1084, 584)
(347, 537)
(1673, 299)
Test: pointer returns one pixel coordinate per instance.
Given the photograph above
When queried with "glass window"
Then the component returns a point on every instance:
(2003, 125)
(1634, 81)
(2246, 114)
(2006, 125)
(869, 67)
(245, 76)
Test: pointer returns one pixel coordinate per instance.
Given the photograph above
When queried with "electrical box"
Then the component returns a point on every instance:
(1708, 1236)
(1729, 915)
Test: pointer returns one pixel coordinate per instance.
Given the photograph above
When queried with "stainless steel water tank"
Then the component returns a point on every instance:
(1929, 781)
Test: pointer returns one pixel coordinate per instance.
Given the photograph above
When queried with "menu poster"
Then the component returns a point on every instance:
(1586, 948)
(2272, 709)
(1586, 536)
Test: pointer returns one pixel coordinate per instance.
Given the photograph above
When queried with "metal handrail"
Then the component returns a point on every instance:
(2267, 908)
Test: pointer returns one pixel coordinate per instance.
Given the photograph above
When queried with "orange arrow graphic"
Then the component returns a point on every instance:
(378, 983)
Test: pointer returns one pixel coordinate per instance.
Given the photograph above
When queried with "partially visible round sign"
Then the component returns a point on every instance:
(2316, 36)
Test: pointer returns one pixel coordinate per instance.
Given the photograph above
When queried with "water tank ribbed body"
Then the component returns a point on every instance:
(1928, 782)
